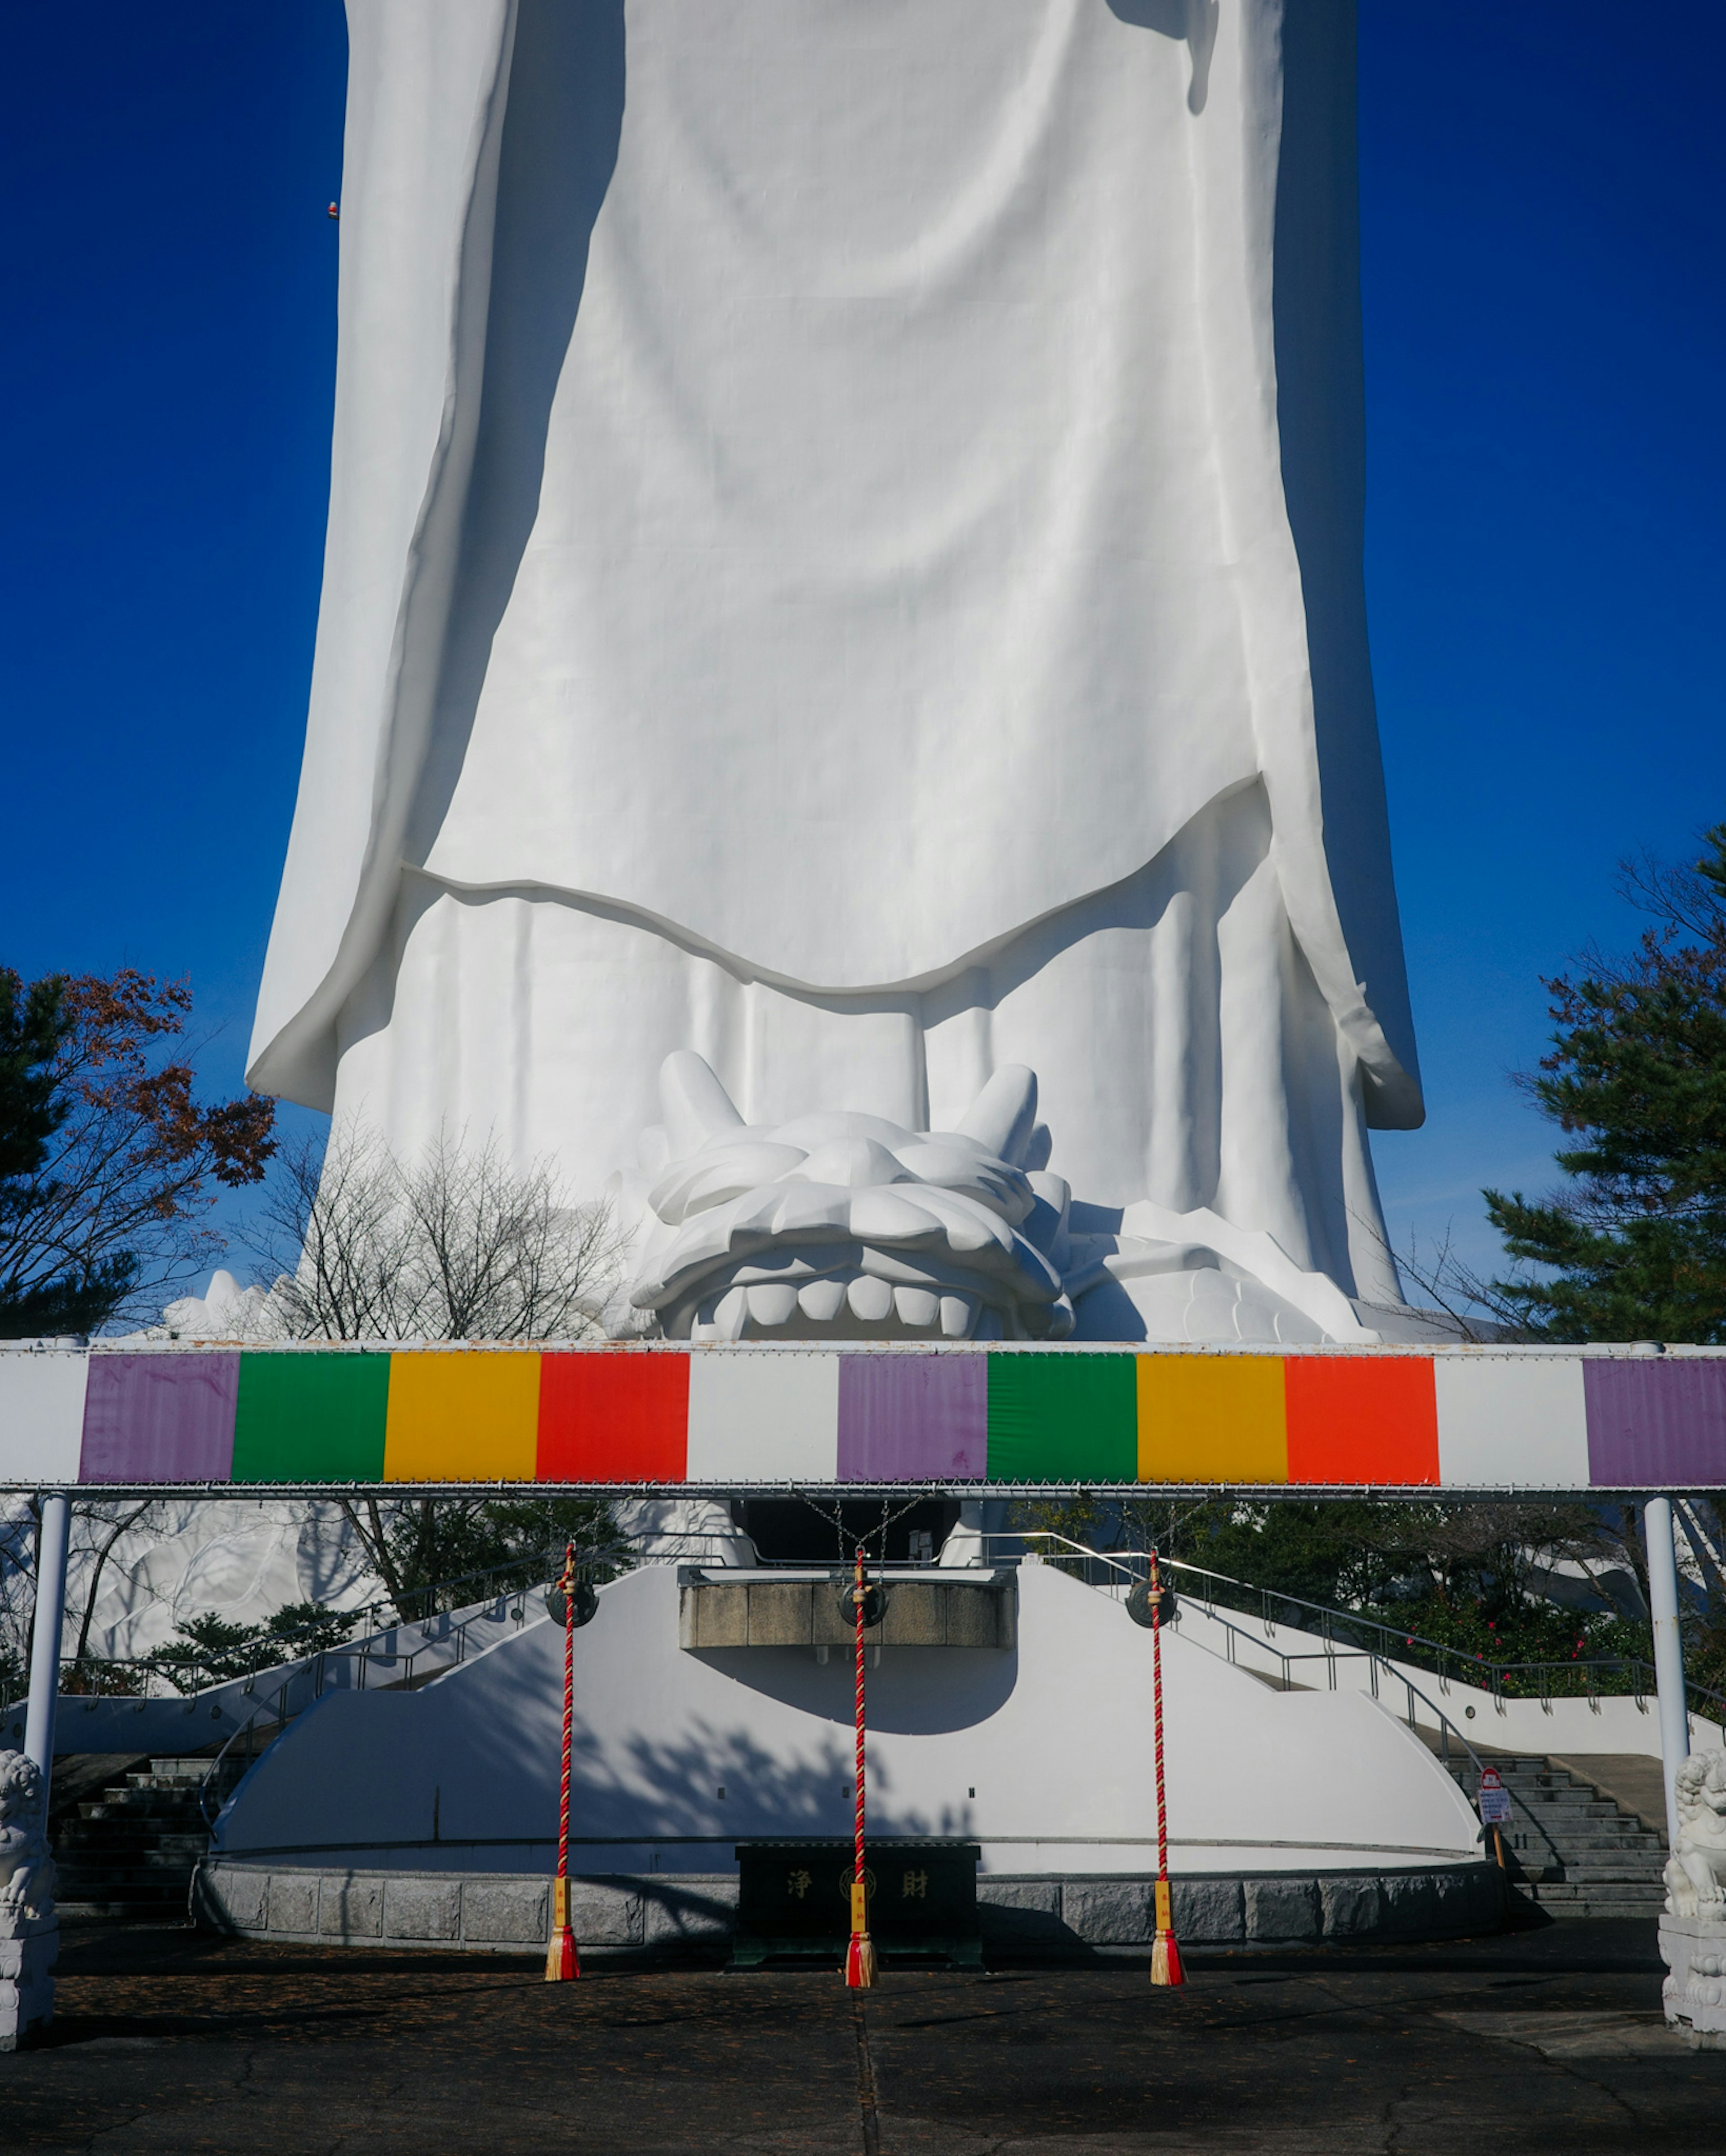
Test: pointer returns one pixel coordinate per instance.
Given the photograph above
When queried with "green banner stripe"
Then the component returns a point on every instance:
(1063, 1418)
(309, 1418)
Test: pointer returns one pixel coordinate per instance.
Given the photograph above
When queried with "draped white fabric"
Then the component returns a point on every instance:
(1184, 1051)
(881, 595)
(833, 498)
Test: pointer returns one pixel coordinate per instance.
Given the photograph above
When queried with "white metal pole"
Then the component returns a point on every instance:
(1668, 1650)
(50, 1620)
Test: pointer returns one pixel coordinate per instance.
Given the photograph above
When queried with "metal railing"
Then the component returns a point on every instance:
(305, 1685)
(132, 1675)
(1577, 1678)
(1134, 1566)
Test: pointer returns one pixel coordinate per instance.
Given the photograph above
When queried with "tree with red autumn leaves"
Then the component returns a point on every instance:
(106, 1158)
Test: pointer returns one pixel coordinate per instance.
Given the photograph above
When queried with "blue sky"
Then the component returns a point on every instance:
(1542, 187)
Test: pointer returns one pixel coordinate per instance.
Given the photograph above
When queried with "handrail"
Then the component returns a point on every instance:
(1628, 1664)
(1446, 1726)
(383, 1615)
(1401, 1638)
(278, 1712)
(363, 1648)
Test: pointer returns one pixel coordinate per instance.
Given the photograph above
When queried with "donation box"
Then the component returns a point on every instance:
(794, 1897)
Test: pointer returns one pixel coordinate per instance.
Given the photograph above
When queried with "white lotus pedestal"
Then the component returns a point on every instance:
(29, 1947)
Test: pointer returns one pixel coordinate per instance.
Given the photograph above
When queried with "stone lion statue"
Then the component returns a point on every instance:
(27, 1873)
(1695, 1875)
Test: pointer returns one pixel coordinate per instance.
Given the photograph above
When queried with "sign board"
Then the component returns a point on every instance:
(967, 1418)
(1494, 1799)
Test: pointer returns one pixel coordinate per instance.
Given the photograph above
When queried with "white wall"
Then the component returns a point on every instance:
(1616, 1724)
(1054, 1738)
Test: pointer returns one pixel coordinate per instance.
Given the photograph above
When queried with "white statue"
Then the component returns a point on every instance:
(27, 1871)
(1696, 1872)
(843, 1225)
(838, 566)
(225, 1311)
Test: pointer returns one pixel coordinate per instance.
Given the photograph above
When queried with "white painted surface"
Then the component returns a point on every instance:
(1513, 1418)
(240, 1558)
(41, 1413)
(47, 1620)
(1619, 1723)
(846, 1226)
(1054, 1739)
(833, 564)
(758, 1418)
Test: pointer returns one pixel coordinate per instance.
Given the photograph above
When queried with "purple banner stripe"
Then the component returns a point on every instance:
(160, 1419)
(903, 1418)
(1656, 1422)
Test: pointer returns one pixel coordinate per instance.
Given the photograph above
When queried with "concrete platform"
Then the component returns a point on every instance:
(1518, 2045)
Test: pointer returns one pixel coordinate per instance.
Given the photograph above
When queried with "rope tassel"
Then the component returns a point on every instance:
(859, 1956)
(1165, 1954)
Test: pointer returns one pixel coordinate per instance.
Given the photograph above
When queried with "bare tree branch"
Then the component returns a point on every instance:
(456, 1246)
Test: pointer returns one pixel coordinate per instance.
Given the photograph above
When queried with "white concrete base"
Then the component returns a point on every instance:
(1032, 1915)
(1694, 1950)
(1043, 1752)
(28, 1955)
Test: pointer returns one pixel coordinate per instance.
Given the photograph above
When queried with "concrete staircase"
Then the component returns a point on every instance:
(1574, 1850)
(130, 1853)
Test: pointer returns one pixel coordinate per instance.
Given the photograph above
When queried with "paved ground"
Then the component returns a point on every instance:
(1548, 2041)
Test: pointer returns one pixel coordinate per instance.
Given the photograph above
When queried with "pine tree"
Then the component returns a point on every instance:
(1634, 1247)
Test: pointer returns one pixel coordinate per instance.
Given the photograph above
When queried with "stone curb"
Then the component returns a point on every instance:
(1034, 1914)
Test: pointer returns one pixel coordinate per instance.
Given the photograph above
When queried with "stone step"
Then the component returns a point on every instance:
(1624, 1829)
(1542, 1802)
(84, 1856)
(1562, 1889)
(126, 1804)
(1541, 1790)
(1605, 1867)
(1599, 1834)
(135, 1859)
(112, 1833)
(132, 1885)
(122, 1833)
(131, 1853)
(1575, 1853)
(124, 1912)
(1535, 1846)
(1546, 1803)
(170, 1889)
(1600, 1902)
(103, 1821)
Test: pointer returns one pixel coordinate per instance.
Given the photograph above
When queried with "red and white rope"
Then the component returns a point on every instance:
(1157, 1700)
(857, 1602)
(568, 1708)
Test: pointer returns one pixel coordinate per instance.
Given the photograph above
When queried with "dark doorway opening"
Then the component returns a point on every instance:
(793, 1531)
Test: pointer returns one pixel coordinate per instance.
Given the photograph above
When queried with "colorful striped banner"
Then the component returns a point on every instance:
(1381, 1418)
(311, 1418)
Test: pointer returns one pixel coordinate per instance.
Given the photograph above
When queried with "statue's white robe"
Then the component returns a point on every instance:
(845, 554)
